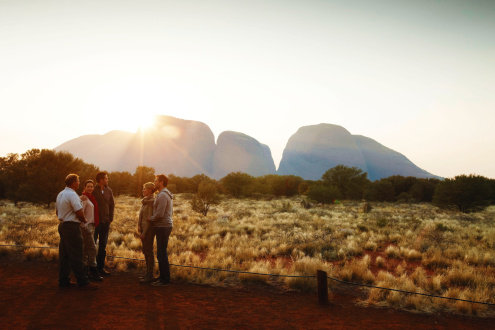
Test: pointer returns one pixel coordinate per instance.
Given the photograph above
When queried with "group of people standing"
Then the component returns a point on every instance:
(86, 219)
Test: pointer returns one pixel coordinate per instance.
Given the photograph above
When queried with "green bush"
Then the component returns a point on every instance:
(323, 194)
(381, 222)
(349, 181)
(464, 193)
(306, 204)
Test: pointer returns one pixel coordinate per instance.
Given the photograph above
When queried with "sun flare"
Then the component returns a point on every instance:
(134, 123)
(145, 121)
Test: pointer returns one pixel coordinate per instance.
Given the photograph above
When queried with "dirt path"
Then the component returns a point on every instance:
(30, 299)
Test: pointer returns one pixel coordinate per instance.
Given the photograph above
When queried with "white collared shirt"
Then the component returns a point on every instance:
(68, 203)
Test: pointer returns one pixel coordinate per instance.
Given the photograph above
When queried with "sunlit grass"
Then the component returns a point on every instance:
(413, 247)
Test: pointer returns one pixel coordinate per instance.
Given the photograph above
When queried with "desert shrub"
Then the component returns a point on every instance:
(392, 252)
(404, 197)
(380, 262)
(437, 260)
(349, 181)
(442, 228)
(465, 193)
(380, 191)
(247, 234)
(358, 271)
(323, 194)
(381, 222)
(306, 204)
(38, 176)
(237, 184)
(366, 207)
(206, 197)
(280, 185)
(362, 228)
(241, 214)
(286, 207)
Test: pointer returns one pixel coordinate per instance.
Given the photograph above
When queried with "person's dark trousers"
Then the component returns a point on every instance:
(162, 234)
(101, 234)
(70, 254)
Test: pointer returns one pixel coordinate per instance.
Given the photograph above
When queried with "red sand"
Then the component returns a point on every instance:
(30, 298)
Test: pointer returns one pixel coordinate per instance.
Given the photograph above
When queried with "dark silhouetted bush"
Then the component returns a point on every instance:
(467, 193)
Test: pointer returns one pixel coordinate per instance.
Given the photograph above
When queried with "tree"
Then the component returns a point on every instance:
(285, 185)
(122, 183)
(350, 181)
(38, 176)
(380, 191)
(323, 194)
(142, 175)
(177, 182)
(423, 189)
(13, 174)
(46, 174)
(237, 183)
(196, 180)
(206, 196)
(401, 183)
(466, 193)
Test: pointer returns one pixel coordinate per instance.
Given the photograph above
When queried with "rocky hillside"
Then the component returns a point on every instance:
(314, 149)
(187, 147)
(174, 146)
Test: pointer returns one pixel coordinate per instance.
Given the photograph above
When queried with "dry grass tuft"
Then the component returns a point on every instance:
(392, 252)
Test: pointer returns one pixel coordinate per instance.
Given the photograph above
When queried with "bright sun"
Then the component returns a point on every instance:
(134, 123)
(145, 121)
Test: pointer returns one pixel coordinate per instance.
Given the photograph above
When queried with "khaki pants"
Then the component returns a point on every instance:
(89, 245)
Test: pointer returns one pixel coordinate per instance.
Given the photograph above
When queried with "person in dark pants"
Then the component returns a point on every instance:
(70, 252)
(106, 206)
(163, 224)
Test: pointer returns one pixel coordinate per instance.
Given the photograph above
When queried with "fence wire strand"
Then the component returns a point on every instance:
(277, 275)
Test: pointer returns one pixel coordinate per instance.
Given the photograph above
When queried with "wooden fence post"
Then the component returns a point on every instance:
(322, 287)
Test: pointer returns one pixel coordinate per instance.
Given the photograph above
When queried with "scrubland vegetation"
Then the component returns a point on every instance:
(413, 247)
(420, 235)
(38, 175)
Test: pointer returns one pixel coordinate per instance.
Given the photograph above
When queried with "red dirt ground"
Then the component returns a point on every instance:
(30, 299)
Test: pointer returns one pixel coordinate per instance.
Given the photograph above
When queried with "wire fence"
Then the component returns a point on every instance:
(276, 275)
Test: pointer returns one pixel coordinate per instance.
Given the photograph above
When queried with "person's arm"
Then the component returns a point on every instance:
(111, 205)
(80, 216)
(143, 233)
(77, 206)
(159, 211)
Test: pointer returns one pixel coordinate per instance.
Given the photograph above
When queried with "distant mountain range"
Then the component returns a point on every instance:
(186, 148)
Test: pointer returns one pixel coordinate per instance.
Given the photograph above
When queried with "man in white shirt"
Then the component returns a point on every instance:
(70, 251)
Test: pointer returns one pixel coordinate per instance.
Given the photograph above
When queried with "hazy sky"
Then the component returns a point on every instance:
(416, 76)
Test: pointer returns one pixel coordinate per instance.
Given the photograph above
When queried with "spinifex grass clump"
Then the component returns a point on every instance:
(414, 247)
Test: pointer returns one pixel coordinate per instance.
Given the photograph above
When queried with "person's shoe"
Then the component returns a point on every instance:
(103, 272)
(88, 287)
(94, 275)
(66, 285)
(147, 279)
(160, 283)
